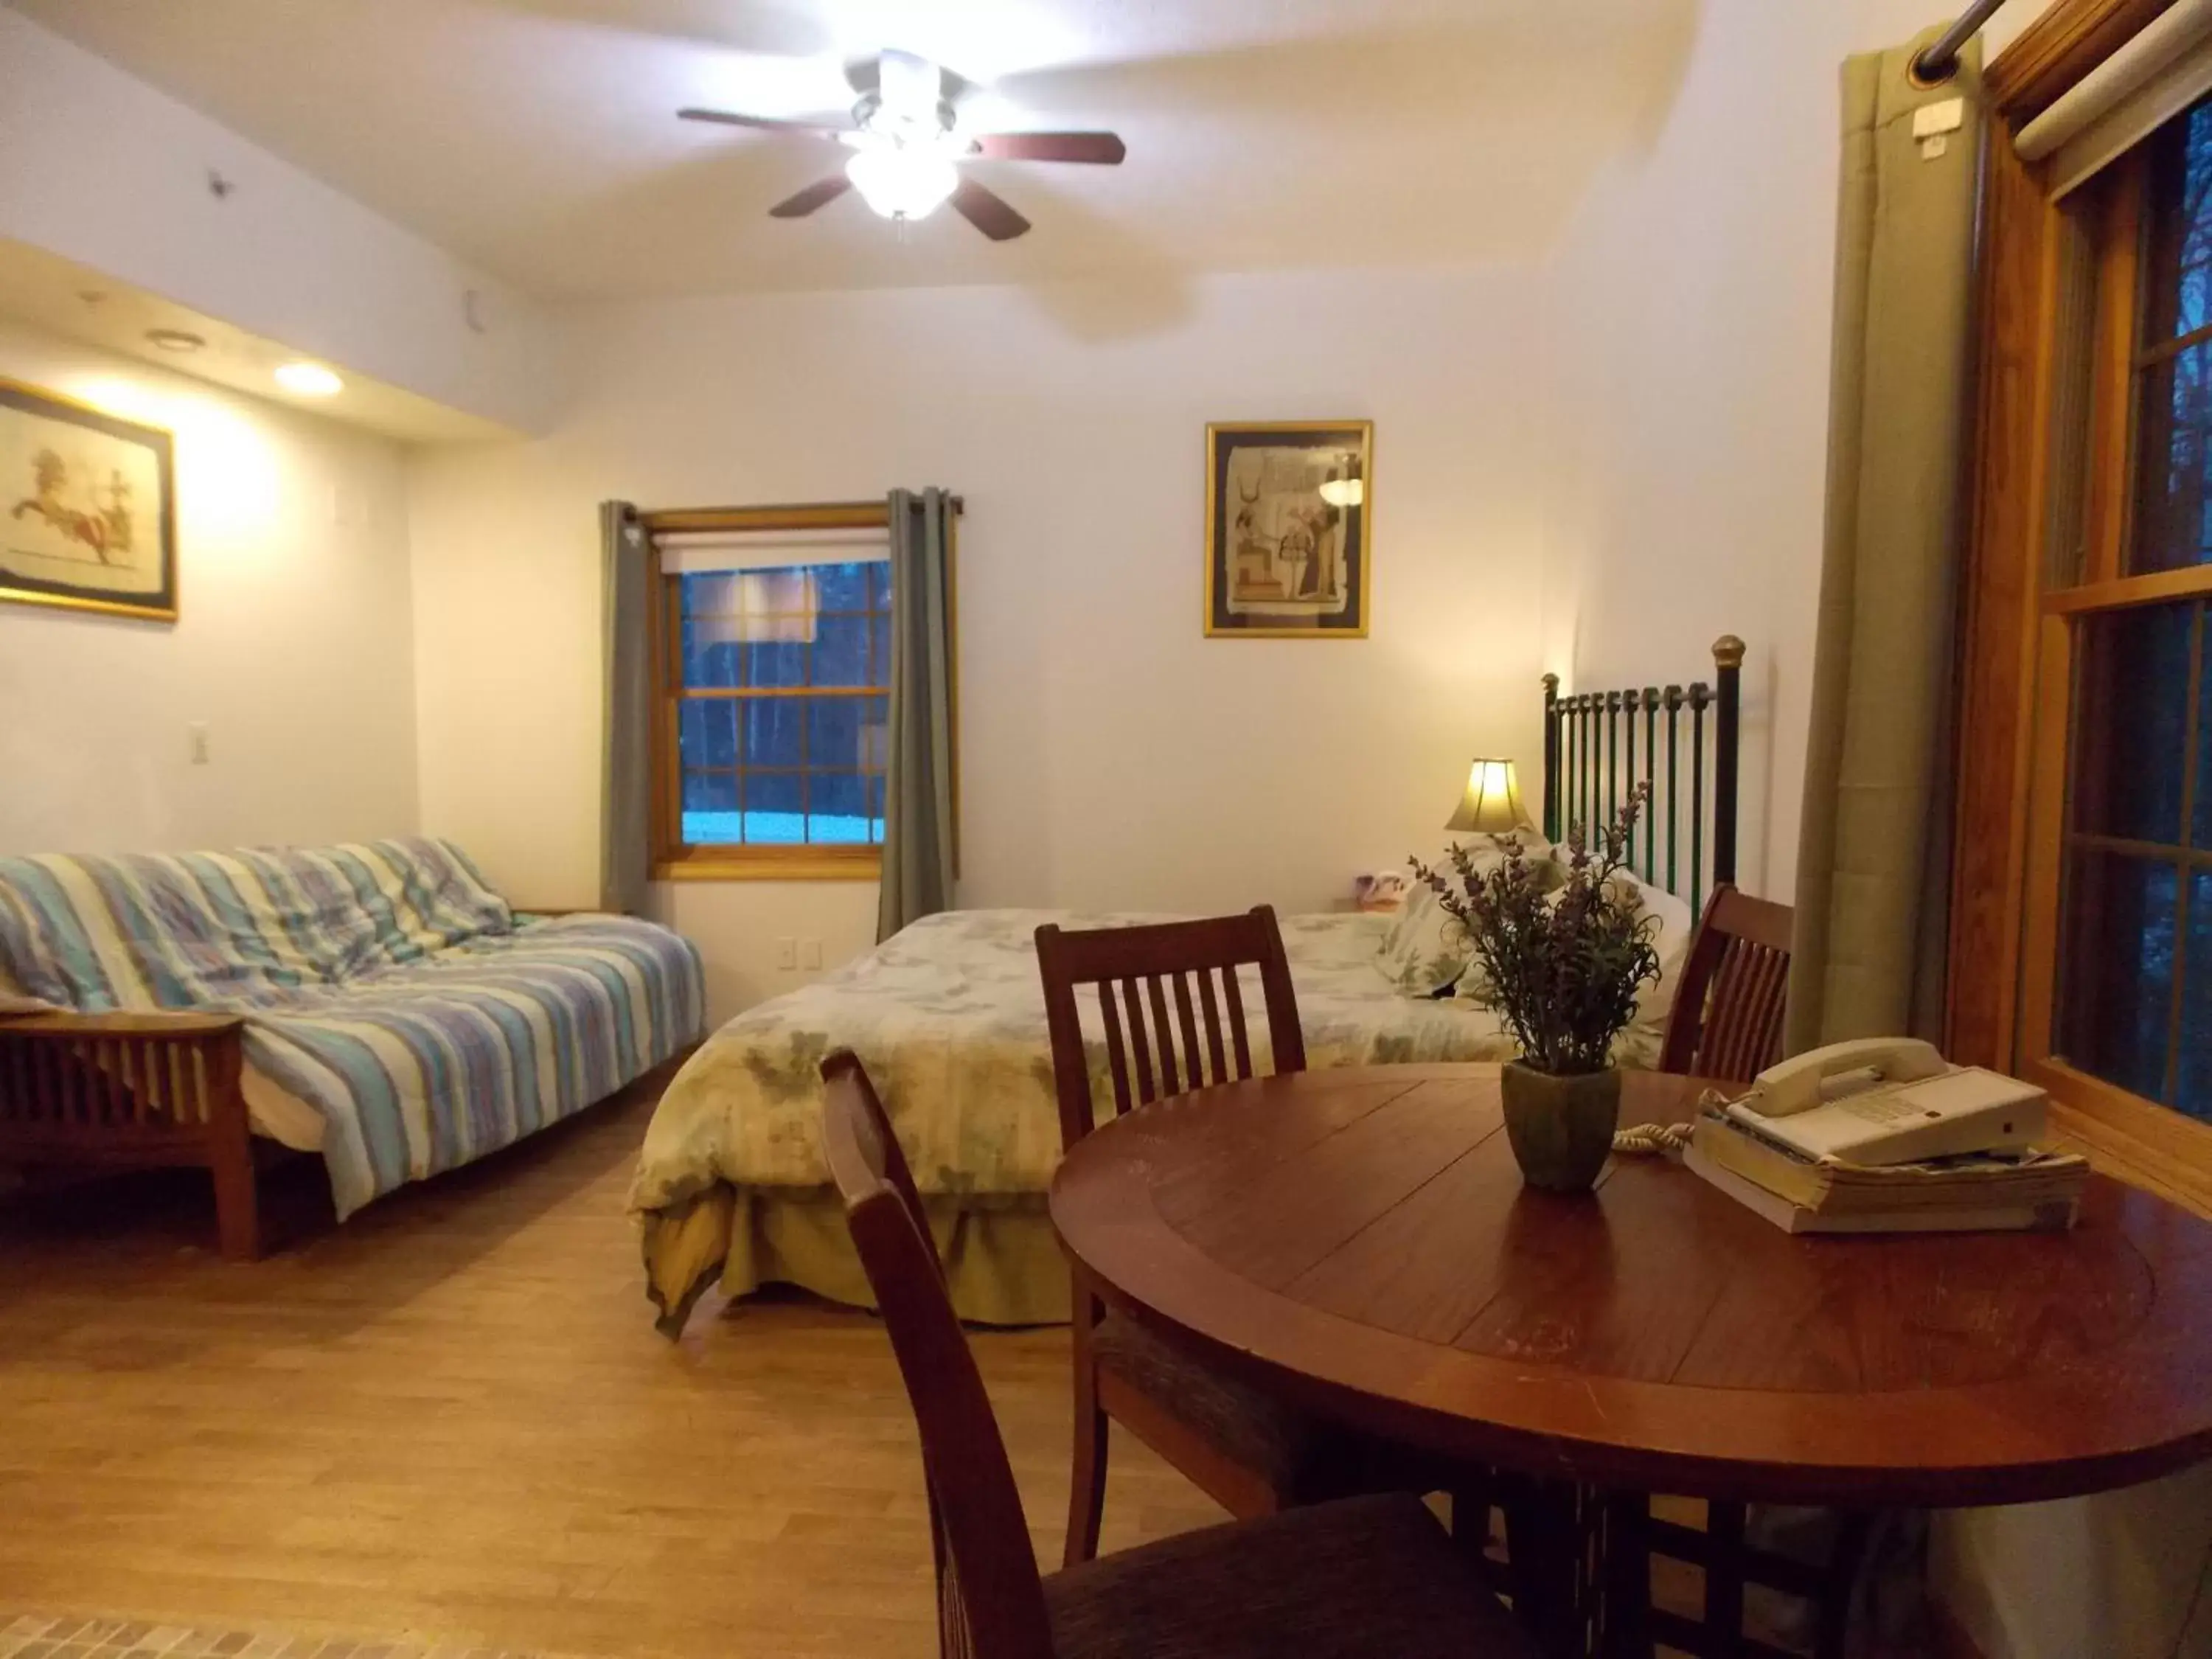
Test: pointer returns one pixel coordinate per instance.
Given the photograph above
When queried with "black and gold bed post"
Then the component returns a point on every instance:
(1550, 757)
(1727, 660)
(1651, 776)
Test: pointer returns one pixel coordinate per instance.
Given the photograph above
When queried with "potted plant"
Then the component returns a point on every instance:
(1560, 954)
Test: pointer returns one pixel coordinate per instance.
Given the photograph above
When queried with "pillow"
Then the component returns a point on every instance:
(1427, 949)
(1673, 925)
(1670, 937)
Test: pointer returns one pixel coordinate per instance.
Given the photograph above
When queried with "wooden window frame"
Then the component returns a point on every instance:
(2046, 302)
(673, 859)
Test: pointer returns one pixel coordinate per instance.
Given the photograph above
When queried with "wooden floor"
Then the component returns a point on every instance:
(451, 1418)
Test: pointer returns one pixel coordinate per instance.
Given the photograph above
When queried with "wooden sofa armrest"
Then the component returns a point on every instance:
(124, 1091)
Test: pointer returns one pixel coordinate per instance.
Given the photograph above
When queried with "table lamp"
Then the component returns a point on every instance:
(1492, 804)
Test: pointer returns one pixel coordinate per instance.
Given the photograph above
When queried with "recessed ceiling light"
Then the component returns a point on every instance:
(309, 381)
(175, 339)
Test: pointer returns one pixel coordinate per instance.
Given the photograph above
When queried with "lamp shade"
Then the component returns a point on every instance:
(1492, 804)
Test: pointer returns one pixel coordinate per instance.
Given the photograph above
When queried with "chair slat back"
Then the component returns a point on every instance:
(990, 1600)
(1168, 997)
(1727, 1017)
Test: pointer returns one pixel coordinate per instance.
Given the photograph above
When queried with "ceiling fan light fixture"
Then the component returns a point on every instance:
(903, 184)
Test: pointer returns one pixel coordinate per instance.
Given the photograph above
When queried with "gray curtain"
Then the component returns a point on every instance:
(918, 845)
(1873, 861)
(626, 771)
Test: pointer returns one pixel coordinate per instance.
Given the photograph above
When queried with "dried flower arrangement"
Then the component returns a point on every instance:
(1560, 961)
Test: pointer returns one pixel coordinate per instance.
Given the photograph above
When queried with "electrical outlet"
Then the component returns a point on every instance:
(195, 736)
(809, 953)
(786, 954)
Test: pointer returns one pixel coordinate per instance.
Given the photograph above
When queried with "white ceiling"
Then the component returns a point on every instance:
(538, 137)
(51, 293)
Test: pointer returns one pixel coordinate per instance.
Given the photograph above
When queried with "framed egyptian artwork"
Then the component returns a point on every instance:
(1287, 509)
(88, 509)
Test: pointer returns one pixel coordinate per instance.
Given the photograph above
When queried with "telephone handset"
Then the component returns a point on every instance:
(1888, 1100)
(1794, 1086)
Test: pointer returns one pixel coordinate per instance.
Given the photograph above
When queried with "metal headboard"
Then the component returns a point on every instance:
(1592, 759)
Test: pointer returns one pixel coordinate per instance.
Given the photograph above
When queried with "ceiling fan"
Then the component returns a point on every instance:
(907, 147)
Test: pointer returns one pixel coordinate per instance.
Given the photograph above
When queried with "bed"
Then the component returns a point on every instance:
(949, 1017)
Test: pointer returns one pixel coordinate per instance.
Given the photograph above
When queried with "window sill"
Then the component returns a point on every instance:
(2185, 1181)
(798, 864)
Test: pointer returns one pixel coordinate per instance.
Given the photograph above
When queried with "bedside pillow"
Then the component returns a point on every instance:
(1673, 927)
(1426, 948)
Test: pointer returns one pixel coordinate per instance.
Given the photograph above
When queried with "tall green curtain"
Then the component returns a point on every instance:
(1873, 861)
(918, 844)
(626, 771)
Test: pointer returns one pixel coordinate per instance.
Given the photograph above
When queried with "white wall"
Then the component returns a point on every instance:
(1112, 756)
(101, 169)
(293, 646)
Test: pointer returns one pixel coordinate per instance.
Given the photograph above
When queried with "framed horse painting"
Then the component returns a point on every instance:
(88, 507)
(1287, 508)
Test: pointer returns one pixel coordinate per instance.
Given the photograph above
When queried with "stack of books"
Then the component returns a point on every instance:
(2021, 1190)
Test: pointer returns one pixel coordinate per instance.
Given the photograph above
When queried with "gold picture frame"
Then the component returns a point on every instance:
(88, 507)
(1289, 512)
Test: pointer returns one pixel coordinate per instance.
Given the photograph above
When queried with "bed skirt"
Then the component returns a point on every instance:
(1002, 1261)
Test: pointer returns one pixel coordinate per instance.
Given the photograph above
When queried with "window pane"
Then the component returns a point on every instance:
(2194, 1092)
(775, 814)
(2200, 801)
(2173, 421)
(2116, 966)
(833, 737)
(2132, 723)
(837, 804)
(840, 651)
(709, 661)
(2177, 281)
(716, 721)
(845, 586)
(772, 730)
(778, 663)
(710, 809)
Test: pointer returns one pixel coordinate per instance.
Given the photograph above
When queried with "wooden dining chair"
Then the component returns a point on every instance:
(1360, 1576)
(1727, 1019)
(1727, 1026)
(1173, 1014)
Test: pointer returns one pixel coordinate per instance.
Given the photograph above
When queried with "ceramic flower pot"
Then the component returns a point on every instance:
(1561, 1128)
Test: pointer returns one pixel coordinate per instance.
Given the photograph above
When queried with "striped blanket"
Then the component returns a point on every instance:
(387, 985)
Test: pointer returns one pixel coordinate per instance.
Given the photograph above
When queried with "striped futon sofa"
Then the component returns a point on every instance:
(379, 1004)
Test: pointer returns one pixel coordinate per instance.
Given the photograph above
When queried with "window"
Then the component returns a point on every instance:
(773, 640)
(2118, 977)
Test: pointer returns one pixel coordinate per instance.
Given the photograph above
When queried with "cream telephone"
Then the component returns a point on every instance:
(1888, 1100)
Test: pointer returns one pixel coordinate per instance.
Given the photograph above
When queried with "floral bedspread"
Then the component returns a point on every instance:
(949, 1018)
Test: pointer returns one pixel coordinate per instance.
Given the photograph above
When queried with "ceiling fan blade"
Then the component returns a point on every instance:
(814, 198)
(765, 123)
(987, 211)
(1104, 149)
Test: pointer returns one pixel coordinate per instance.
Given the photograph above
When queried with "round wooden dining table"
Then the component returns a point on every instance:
(1360, 1241)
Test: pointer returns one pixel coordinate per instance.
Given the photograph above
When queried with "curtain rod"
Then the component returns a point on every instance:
(1936, 63)
(811, 515)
